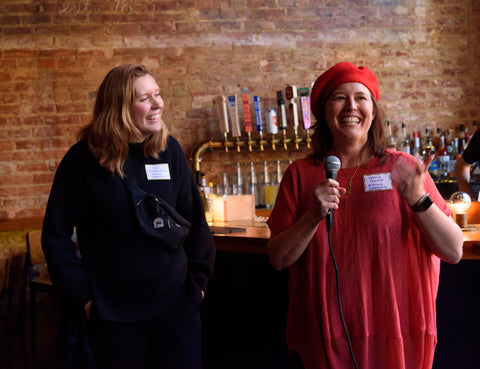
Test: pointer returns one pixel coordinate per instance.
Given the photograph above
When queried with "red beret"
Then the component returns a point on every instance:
(338, 74)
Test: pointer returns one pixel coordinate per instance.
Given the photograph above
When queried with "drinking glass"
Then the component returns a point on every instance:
(271, 191)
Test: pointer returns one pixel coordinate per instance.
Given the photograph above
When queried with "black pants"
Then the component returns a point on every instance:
(173, 343)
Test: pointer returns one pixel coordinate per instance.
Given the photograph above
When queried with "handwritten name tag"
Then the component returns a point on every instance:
(377, 182)
(157, 171)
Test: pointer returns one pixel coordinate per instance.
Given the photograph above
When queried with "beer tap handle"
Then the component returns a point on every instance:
(233, 111)
(306, 116)
(221, 105)
(246, 116)
(282, 116)
(292, 96)
(272, 127)
(258, 118)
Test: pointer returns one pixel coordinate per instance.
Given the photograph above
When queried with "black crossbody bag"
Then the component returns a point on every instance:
(158, 219)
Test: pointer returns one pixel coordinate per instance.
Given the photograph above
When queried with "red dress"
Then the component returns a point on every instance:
(388, 276)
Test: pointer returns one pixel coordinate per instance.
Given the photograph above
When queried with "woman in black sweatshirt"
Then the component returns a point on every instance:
(141, 299)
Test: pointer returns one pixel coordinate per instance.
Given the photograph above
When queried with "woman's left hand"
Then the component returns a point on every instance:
(443, 236)
(410, 177)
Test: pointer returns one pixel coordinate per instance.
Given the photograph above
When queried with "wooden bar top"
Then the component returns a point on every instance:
(237, 236)
(241, 236)
(254, 238)
(471, 243)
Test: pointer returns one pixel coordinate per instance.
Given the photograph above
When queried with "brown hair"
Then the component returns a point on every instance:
(322, 139)
(111, 128)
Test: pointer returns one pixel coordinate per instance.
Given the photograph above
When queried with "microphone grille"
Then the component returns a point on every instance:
(332, 163)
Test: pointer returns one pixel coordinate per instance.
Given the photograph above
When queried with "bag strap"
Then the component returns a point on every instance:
(130, 182)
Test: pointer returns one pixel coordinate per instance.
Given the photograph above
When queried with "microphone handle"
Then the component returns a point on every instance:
(331, 175)
(329, 220)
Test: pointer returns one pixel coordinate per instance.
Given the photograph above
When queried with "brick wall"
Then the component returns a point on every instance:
(54, 54)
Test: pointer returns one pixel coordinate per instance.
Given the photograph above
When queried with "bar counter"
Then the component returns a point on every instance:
(245, 236)
(241, 236)
(252, 237)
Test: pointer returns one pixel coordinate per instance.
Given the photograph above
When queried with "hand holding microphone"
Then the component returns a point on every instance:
(328, 192)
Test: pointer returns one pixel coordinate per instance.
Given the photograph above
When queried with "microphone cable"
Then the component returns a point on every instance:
(337, 278)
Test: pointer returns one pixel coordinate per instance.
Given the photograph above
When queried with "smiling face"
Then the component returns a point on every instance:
(349, 113)
(147, 105)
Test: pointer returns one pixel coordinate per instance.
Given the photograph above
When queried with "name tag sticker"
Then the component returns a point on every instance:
(377, 182)
(157, 171)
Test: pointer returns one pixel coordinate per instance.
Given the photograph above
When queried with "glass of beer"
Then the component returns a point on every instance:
(271, 191)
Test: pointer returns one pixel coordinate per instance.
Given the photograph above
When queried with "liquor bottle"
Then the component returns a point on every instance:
(436, 139)
(467, 136)
(443, 158)
(425, 139)
(454, 152)
(428, 146)
(427, 150)
(205, 193)
(449, 142)
(416, 149)
(391, 141)
(404, 143)
(462, 143)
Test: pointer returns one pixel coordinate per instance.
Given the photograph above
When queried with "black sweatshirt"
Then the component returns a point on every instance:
(127, 274)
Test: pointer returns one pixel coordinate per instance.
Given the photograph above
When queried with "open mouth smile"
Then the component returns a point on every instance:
(350, 120)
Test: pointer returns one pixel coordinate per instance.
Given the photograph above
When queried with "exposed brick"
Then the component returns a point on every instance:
(43, 178)
(32, 144)
(9, 192)
(10, 20)
(55, 54)
(19, 179)
(16, 31)
(36, 19)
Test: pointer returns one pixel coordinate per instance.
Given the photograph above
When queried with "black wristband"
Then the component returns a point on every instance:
(423, 204)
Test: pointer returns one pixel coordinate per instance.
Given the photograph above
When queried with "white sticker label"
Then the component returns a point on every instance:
(157, 171)
(377, 182)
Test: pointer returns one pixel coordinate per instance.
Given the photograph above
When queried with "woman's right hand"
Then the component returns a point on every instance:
(326, 197)
(285, 248)
(87, 308)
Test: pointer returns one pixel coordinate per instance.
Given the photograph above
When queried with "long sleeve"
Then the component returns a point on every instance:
(65, 266)
(199, 245)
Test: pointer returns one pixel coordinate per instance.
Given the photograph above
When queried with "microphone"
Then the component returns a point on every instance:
(332, 165)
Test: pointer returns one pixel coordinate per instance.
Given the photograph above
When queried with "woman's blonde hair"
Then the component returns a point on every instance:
(111, 128)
